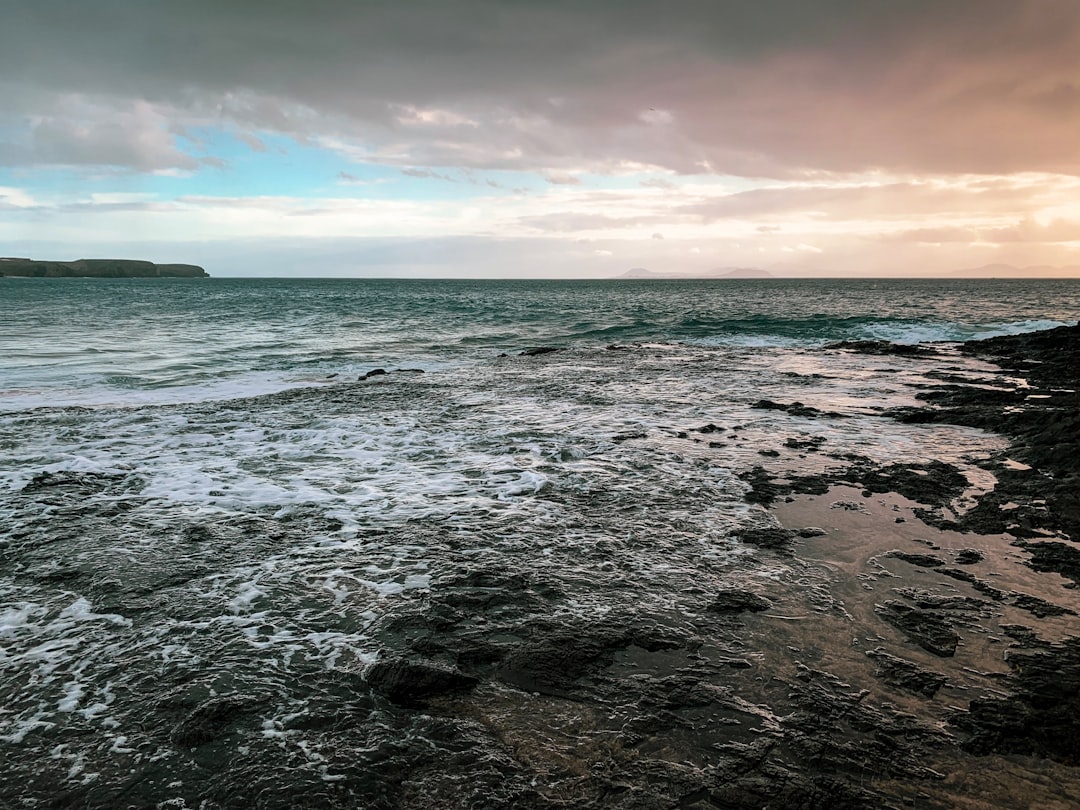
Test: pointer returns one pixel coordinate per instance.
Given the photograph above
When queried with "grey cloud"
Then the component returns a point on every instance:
(773, 88)
(428, 174)
(131, 136)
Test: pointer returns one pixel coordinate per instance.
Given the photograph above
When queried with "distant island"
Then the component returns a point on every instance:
(98, 268)
(640, 273)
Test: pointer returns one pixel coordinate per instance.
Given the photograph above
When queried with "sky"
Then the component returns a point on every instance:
(525, 138)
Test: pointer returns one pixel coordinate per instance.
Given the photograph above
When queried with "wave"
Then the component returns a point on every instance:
(765, 331)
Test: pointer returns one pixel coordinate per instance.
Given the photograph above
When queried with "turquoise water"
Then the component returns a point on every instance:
(87, 341)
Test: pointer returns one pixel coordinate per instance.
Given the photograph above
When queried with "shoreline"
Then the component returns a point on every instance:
(829, 631)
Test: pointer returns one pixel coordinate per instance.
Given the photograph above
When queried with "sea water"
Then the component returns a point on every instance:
(199, 496)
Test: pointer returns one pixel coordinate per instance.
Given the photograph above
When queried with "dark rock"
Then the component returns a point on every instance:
(769, 453)
(793, 408)
(550, 664)
(906, 675)
(811, 443)
(766, 537)
(538, 350)
(763, 490)
(734, 600)
(709, 428)
(811, 531)
(411, 683)
(1040, 607)
(921, 560)
(1057, 557)
(928, 630)
(969, 556)
(1042, 717)
(212, 720)
(198, 533)
(883, 347)
(375, 372)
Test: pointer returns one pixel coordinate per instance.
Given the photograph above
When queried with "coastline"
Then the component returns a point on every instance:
(832, 630)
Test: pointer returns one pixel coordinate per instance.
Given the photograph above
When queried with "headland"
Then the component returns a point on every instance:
(98, 268)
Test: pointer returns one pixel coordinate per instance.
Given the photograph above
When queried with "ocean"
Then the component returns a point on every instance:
(212, 526)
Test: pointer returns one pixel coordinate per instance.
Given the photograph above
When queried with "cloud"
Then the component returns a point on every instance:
(777, 88)
(83, 132)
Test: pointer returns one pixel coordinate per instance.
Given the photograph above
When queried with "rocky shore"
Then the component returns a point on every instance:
(924, 653)
(97, 268)
(860, 634)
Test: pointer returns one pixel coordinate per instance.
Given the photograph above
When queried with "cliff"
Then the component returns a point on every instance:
(98, 268)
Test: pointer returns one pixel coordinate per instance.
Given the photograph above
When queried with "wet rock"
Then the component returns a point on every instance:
(934, 483)
(769, 453)
(763, 489)
(198, 533)
(212, 720)
(883, 347)
(535, 351)
(1040, 607)
(906, 675)
(1057, 557)
(550, 664)
(969, 556)
(920, 560)
(412, 683)
(709, 428)
(812, 443)
(928, 630)
(375, 372)
(734, 600)
(811, 531)
(793, 408)
(1042, 717)
(766, 537)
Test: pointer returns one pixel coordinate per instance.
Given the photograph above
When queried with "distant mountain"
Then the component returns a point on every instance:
(1011, 271)
(640, 273)
(98, 268)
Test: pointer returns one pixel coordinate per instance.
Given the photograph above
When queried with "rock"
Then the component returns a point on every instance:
(734, 600)
(793, 408)
(550, 664)
(811, 443)
(883, 347)
(969, 556)
(920, 560)
(375, 372)
(766, 537)
(1040, 607)
(212, 720)
(411, 683)
(538, 350)
(1042, 717)
(928, 630)
(763, 490)
(1057, 557)
(710, 428)
(906, 675)
(811, 531)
